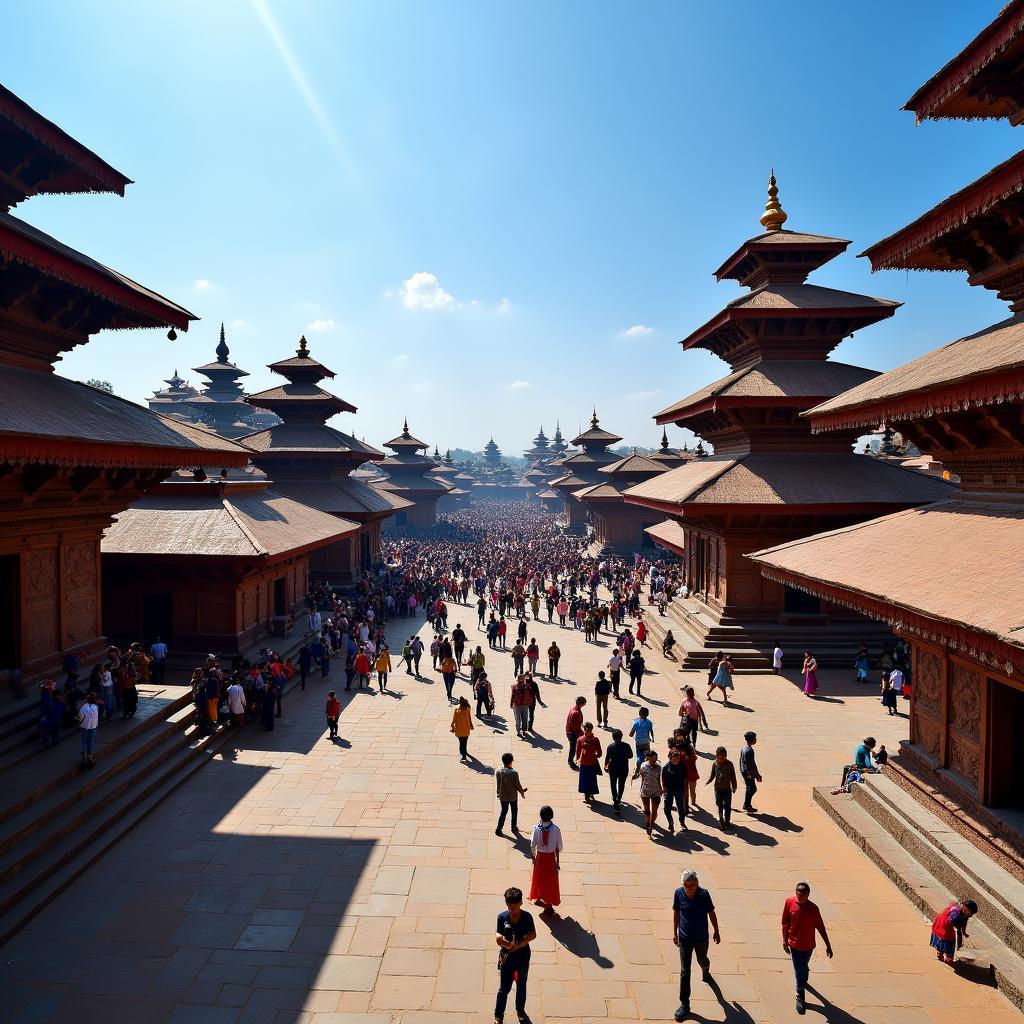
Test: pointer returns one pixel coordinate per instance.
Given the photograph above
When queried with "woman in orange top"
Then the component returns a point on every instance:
(462, 726)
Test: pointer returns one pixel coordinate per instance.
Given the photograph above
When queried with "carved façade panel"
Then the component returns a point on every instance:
(928, 679)
(925, 730)
(40, 569)
(965, 759)
(81, 614)
(965, 700)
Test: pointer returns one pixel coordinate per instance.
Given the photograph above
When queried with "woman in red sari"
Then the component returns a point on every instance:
(950, 928)
(546, 850)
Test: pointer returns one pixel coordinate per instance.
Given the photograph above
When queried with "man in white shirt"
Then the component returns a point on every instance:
(777, 660)
(236, 703)
(614, 670)
(89, 720)
(896, 680)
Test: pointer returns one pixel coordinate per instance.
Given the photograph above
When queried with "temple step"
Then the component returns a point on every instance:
(750, 645)
(48, 846)
(929, 863)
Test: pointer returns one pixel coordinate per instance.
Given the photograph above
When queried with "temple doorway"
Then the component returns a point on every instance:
(157, 618)
(798, 602)
(1007, 718)
(280, 604)
(10, 598)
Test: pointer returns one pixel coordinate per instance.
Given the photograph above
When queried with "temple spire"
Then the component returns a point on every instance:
(593, 419)
(774, 215)
(664, 439)
(222, 347)
(302, 351)
(405, 427)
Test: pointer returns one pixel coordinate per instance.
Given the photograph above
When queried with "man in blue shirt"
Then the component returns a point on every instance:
(158, 652)
(514, 933)
(643, 733)
(692, 908)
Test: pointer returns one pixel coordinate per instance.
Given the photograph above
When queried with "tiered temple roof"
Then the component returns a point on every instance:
(777, 339)
(307, 459)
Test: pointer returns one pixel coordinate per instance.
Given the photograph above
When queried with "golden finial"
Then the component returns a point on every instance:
(302, 352)
(774, 215)
(405, 427)
(593, 419)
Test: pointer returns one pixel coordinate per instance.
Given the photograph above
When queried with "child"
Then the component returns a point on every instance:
(949, 929)
(723, 775)
(333, 712)
(881, 756)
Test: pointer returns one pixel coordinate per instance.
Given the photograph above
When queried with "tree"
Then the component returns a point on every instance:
(101, 385)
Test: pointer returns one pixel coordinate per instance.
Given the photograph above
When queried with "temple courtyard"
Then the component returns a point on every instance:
(299, 881)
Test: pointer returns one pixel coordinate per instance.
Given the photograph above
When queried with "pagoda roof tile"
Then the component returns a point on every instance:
(668, 534)
(909, 248)
(633, 464)
(73, 167)
(137, 306)
(774, 379)
(251, 524)
(891, 563)
(43, 406)
(301, 394)
(312, 438)
(949, 92)
(981, 368)
(790, 297)
(791, 479)
(344, 496)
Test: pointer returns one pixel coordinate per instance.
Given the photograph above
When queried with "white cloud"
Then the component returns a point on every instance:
(202, 284)
(639, 396)
(504, 307)
(320, 325)
(400, 360)
(422, 385)
(636, 331)
(239, 323)
(475, 303)
(519, 385)
(424, 291)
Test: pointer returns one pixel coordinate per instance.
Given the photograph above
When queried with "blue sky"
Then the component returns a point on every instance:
(467, 206)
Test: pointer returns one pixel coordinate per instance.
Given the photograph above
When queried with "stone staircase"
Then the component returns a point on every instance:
(749, 645)
(56, 819)
(931, 863)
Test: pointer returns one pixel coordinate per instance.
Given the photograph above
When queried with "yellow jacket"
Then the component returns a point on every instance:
(462, 721)
(383, 662)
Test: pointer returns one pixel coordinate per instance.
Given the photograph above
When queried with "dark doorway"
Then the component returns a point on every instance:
(364, 550)
(157, 618)
(1007, 718)
(280, 605)
(796, 602)
(10, 599)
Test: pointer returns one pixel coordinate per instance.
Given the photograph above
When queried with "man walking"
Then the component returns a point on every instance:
(574, 730)
(158, 652)
(89, 720)
(416, 647)
(522, 700)
(509, 791)
(800, 920)
(748, 770)
(617, 759)
(637, 664)
(554, 654)
(643, 733)
(692, 908)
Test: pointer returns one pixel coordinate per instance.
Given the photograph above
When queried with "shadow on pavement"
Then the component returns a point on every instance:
(575, 938)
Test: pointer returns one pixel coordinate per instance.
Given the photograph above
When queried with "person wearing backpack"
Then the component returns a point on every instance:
(484, 695)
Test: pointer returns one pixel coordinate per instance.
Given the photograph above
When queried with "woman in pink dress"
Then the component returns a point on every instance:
(810, 671)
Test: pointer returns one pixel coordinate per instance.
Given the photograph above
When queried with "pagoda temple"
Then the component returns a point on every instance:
(558, 445)
(221, 404)
(444, 471)
(618, 525)
(71, 456)
(212, 564)
(171, 400)
(949, 577)
(311, 462)
(769, 480)
(409, 479)
(671, 458)
(581, 469)
(542, 470)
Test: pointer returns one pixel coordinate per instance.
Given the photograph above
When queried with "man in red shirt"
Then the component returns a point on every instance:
(800, 920)
(574, 730)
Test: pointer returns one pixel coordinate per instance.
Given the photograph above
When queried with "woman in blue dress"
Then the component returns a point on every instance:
(722, 678)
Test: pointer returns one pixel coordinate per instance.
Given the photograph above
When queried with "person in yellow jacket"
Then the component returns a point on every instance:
(462, 726)
(383, 667)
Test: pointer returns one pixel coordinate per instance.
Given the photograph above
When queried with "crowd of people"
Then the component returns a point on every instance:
(500, 571)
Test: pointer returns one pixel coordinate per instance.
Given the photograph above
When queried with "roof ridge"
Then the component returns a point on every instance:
(246, 532)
